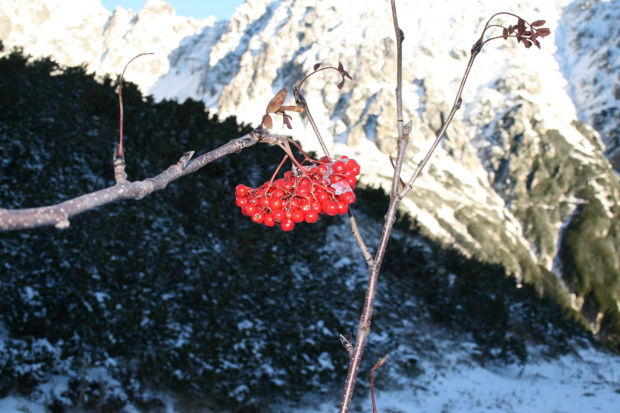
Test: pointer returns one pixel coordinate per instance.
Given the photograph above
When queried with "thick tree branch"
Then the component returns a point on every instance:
(59, 214)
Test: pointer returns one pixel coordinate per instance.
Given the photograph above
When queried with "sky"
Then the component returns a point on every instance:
(221, 9)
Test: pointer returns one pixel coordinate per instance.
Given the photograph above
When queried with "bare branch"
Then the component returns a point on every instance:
(59, 214)
(374, 266)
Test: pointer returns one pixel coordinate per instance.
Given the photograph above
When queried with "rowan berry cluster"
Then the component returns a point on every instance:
(325, 187)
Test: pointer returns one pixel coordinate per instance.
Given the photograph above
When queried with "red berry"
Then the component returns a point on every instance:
(263, 201)
(321, 197)
(330, 208)
(303, 190)
(342, 208)
(311, 217)
(241, 190)
(339, 167)
(348, 198)
(353, 167)
(251, 209)
(298, 216)
(287, 225)
(276, 203)
(278, 214)
(316, 207)
(241, 201)
(351, 180)
(278, 193)
(269, 221)
(258, 217)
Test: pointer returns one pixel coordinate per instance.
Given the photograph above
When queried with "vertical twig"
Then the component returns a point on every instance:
(119, 155)
(379, 363)
(396, 196)
(374, 266)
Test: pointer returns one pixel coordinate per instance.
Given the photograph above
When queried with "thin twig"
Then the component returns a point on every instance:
(379, 363)
(301, 101)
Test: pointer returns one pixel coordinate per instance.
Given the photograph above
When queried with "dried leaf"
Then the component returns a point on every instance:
(537, 43)
(511, 29)
(343, 72)
(521, 27)
(543, 32)
(277, 101)
(341, 84)
(316, 66)
(538, 23)
(292, 109)
(505, 33)
(287, 121)
(527, 43)
(267, 122)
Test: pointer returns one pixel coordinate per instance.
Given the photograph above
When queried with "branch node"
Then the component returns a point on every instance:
(185, 159)
(365, 327)
(63, 223)
(407, 128)
(119, 167)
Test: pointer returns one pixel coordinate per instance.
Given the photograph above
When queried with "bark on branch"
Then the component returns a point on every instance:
(59, 214)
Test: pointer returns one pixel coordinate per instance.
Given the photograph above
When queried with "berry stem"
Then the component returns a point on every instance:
(278, 169)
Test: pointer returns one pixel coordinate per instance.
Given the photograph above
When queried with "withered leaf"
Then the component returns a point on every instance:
(543, 32)
(511, 29)
(316, 66)
(343, 72)
(538, 23)
(267, 122)
(537, 43)
(292, 109)
(505, 33)
(527, 43)
(521, 27)
(287, 121)
(277, 101)
(341, 84)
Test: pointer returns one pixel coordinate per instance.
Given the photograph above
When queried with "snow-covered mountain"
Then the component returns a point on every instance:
(76, 32)
(520, 179)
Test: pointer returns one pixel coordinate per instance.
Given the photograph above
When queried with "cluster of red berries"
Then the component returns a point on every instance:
(326, 187)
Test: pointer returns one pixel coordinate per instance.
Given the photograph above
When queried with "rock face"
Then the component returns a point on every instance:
(77, 32)
(591, 64)
(520, 179)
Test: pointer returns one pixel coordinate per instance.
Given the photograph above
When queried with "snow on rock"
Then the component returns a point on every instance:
(77, 32)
